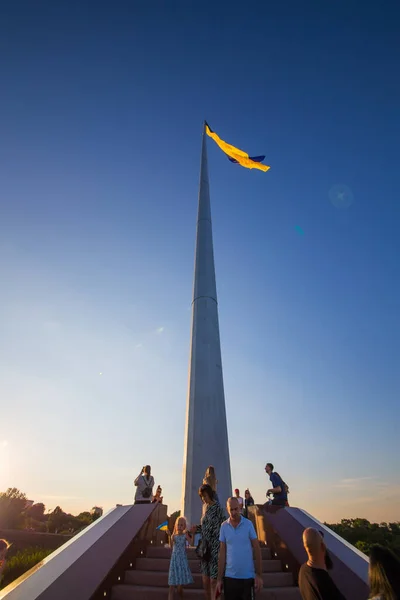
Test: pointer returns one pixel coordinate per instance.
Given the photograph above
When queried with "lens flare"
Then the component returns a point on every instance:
(341, 196)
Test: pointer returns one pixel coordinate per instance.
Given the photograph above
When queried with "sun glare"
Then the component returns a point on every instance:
(4, 465)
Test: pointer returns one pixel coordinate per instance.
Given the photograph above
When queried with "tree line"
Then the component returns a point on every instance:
(15, 514)
(363, 534)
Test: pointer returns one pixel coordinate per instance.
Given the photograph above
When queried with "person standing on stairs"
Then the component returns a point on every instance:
(179, 570)
(248, 501)
(315, 582)
(208, 547)
(144, 483)
(211, 480)
(239, 499)
(238, 542)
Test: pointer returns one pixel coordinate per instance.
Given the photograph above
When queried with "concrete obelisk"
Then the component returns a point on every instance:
(206, 435)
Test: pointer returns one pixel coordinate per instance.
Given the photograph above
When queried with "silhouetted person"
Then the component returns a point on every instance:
(315, 582)
(278, 487)
(158, 498)
(210, 479)
(384, 574)
(248, 501)
(144, 486)
(240, 500)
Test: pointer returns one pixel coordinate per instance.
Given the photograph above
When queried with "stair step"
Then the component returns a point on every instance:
(156, 579)
(266, 553)
(162, 552)
(133, 592)
(160, 579)
(162, 564)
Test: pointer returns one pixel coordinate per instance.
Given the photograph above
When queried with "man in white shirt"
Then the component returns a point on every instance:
(238, 542)
(240, 500)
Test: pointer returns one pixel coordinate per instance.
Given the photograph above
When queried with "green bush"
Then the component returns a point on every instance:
(363, 534)
(21, 562)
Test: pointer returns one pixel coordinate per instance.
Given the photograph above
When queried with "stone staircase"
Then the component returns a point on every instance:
(149, 579)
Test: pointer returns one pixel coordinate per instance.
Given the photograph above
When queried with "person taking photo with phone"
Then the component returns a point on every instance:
(144, 483)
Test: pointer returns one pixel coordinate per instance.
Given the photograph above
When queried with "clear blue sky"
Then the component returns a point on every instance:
(101, 110)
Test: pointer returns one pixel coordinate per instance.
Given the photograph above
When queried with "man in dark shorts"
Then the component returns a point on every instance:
(315, 582)
(278, 487)
(238, 541)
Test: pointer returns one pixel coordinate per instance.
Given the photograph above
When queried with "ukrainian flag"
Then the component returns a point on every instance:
(236, 155)
(163, 526)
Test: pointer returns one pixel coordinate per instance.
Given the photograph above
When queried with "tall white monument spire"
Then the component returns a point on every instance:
(206, 435)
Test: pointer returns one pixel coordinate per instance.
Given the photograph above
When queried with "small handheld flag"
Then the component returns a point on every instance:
(236, 155)
(163, 526)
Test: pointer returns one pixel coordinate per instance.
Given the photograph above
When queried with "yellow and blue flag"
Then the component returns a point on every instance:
(236, 155)
(163, 526)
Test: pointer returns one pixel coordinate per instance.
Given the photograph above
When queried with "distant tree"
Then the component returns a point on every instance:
(84, 515)
(96, 513)
(57, 520)
(13, 514)
(364, 547)
(12, 504)
(85, 518)
(74, 524)
(36, 511)
(363, 534)
(42, 527)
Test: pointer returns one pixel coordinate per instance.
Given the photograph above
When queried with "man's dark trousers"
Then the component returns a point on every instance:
(238, 589)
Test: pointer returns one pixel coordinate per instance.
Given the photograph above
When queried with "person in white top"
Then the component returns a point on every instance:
(240, 500)
(144, 483)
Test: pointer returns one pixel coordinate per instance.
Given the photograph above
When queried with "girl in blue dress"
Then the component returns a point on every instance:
(179, 570)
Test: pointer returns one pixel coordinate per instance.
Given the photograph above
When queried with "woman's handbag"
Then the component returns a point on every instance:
(203, 550)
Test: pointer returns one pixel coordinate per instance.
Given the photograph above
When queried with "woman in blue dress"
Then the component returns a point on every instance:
(179, 570)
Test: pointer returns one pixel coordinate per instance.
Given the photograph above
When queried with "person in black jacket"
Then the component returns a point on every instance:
(315, 582)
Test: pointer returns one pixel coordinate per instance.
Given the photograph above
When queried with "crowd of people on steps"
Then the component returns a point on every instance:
(230, 554)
